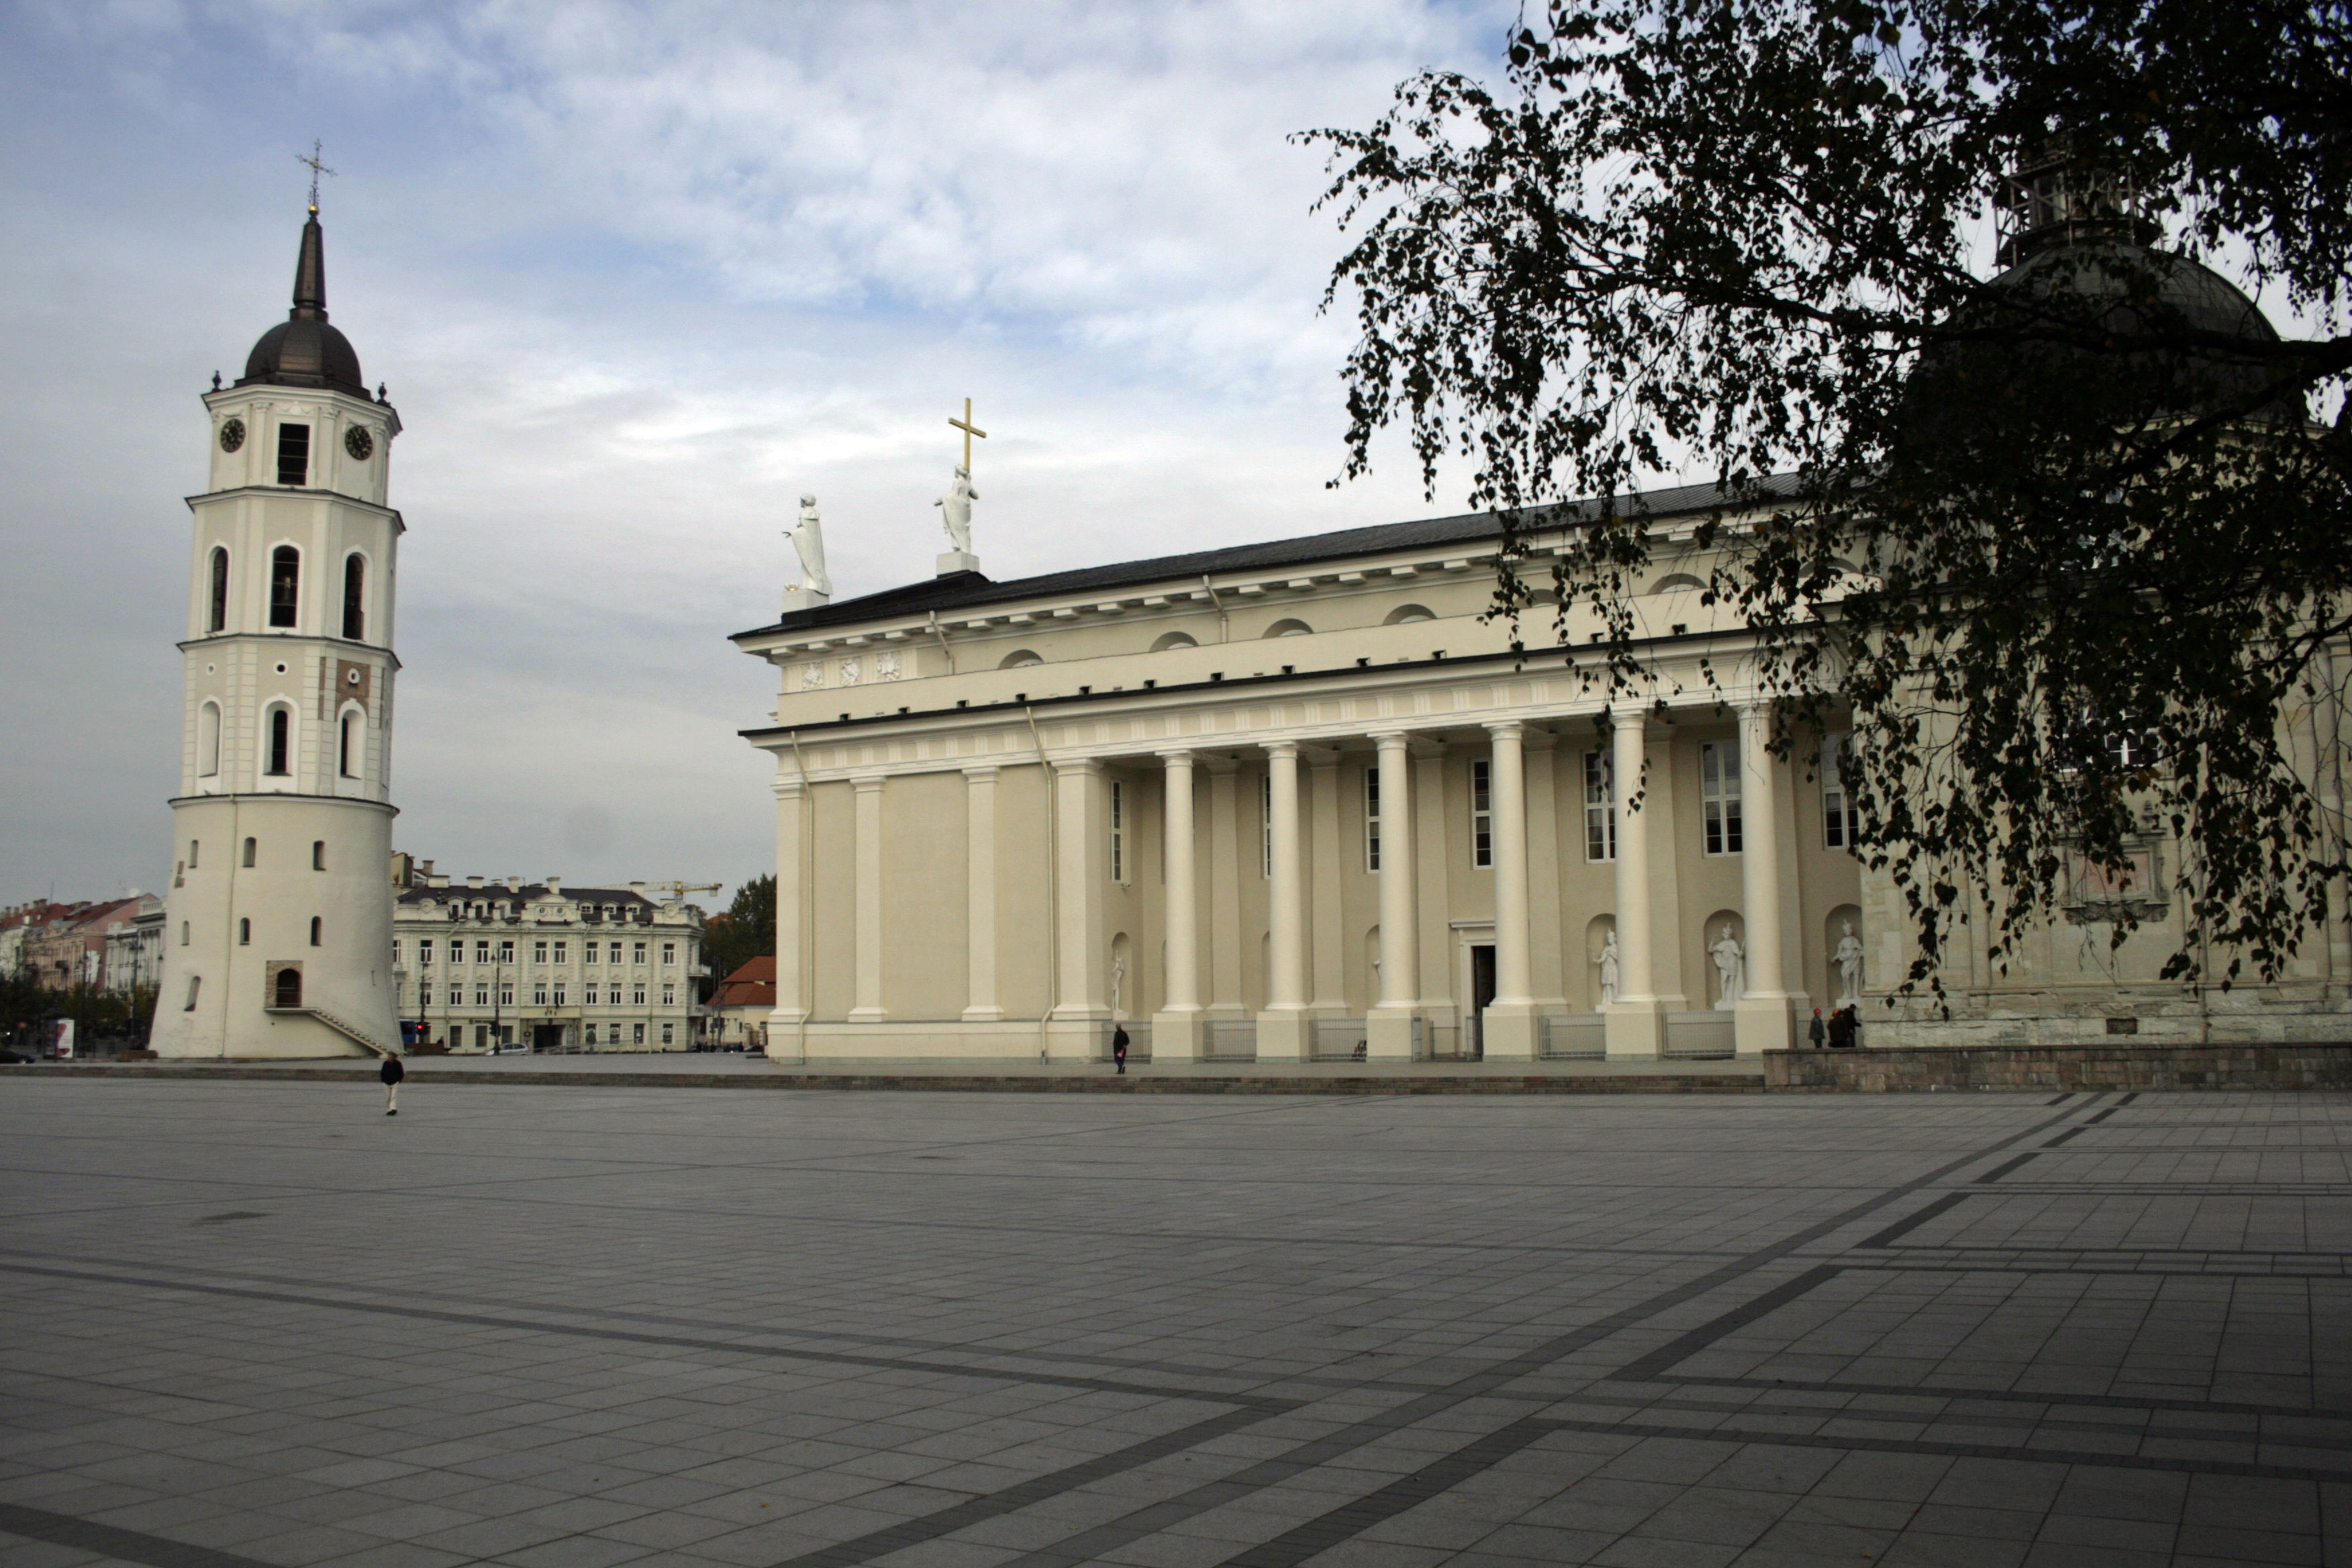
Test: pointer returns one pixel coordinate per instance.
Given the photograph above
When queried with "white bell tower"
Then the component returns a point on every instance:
(277, 940)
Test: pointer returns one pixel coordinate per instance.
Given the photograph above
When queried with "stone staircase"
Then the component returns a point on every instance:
(342, 1026)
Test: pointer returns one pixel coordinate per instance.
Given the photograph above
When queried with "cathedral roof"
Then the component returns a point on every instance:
(305, 350)
(960, 590)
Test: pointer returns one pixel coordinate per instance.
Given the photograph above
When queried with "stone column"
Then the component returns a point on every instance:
(1389, 1029)
(1764, 1014)
(1511, 1017)
(790, 1016)
(1176, 1027)
(867, 939)
(1636, 1024)
(1326, 988)
(1546, 944)
(979, 896)
(1224, 889)
(1082, 855)
(1282, 1029)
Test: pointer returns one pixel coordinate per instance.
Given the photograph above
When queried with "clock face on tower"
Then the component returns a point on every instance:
(232, 435)
(358, 442)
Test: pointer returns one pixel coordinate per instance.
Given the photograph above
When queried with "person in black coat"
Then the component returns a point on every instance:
(1118, 1047)
(1817, 1032)
(391, 1072)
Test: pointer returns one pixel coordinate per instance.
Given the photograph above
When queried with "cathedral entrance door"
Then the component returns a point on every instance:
(1482, 991)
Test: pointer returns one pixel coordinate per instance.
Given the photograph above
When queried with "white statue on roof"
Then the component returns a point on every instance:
(955, 510)
(808, 541)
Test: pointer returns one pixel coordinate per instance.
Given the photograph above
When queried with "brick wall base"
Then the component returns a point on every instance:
(2057, 1068)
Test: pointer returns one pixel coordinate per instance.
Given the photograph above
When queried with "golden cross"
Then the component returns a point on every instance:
(316, 168)
(970, 430)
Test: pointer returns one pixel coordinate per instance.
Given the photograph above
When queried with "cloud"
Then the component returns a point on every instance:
(637, 276)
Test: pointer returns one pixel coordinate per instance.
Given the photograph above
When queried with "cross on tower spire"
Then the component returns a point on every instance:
(318, 168)
(970, 430)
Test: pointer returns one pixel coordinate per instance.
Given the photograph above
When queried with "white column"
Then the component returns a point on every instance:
(1176, 1027)
(868, 928)
(1390, 1027)
(785, 1024)
(1282, 1029)
(1636, 1024)
(1764, 1014)
(1511, 1017)
(1085, 857)
(979, 896)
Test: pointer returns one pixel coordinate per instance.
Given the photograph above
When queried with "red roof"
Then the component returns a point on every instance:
(752, 985)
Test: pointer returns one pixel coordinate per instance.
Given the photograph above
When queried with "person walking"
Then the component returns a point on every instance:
(391, 1072)
(1818, 1033)
(1118, 1047)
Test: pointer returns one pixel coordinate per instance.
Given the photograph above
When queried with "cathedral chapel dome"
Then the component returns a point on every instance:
(306, 348)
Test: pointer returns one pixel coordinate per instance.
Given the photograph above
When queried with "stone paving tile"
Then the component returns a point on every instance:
(591, 1326)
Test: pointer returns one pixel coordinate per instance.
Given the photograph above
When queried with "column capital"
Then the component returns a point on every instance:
(791, 789)
(1079, 765)
(980, 772)
(865, 784)
(1288, 749)
(1176, 756)
(1506, 729)
(1391, 740)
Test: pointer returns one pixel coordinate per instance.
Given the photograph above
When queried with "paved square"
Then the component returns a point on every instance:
(263, 1323)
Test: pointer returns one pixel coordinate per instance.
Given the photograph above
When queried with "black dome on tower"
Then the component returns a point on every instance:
(304, 350)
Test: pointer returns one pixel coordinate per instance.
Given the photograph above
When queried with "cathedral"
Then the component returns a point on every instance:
(1300, 801)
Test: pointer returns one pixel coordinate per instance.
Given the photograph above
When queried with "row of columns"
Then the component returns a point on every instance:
(1635, 1021)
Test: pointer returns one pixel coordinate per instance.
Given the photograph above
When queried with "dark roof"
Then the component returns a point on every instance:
(305, 350)
(962, 590)
(498, 892)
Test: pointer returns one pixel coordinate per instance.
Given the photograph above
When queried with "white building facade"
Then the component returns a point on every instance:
(278, 933)
(489, 964)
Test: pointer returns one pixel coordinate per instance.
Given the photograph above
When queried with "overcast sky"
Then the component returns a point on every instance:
(636, 277)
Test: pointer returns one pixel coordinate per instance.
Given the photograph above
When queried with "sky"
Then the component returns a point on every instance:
(637, 277)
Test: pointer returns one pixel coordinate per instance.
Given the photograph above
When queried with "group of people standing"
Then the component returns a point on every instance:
(1840, 1031)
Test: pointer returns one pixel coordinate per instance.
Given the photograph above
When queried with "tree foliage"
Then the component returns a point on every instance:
(746, 932)
(2068, 547)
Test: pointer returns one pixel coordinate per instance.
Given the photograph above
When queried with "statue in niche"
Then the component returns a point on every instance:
(1610, 962)
(1848, 959)
(1730, 969)
(808, 541)
(1117, 983)
(955, 509)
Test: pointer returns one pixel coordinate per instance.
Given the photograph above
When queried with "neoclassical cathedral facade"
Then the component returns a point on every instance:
(1287, 802)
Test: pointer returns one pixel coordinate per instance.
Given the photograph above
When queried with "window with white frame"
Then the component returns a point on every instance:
(1600, 806)
(424, 993)
(482, 951)
(506, 951)
(615, 953)
(637, 995)
(589, 951)
(562, 948)
(670, 1036)
(395, 952)
(669, 995)
(506, 993)
(1718, 795)
(669, 953)
(1481, 814)
(481, 995)
(637, 953)
(636, 1033)
(559, 994)
(1837, 815)
(1117, 831)
(539, 994)
(1372, 818)
(539, 953)
(423, 951)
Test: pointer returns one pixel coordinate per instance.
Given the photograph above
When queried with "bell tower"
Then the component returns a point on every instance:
(277, 940)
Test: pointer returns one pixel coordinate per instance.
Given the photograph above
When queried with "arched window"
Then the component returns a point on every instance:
(1174, 639)
(251, 846)
(285, 585)
(288, 990)
(1675, 583)
(1404, 612)
(355, 597)
(317, 854)
(1019, 658)
(216, 617)
(208, 728)
(315, 930)
(282, 743)
(1292, 628)
(348, 746)
(244, 932)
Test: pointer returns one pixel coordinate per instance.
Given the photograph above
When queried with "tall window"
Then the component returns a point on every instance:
(482, 951)
(424, 993)
(216, 617)
(244, 932)
(208, 729)
(669, 997)
(506, 993)
(637, 995)
(294, 455)
(636, 1033)
(562, 948)
(282, 743)
(506, 950)
(1372, 818)
(195, 983)
(355, 597)
(317, 854)
(252, 850)
(482, 994)
(559, 993)
(1719, 794)
(194, 845)
(1837, 815)
(1117, 836)
(589, 951)
(669, 953)
(1600, 806)
(616, 954)
(1481, 814)
(285, 585)
(538, 994)
(395, 952)
(348, 745)
(315, 931)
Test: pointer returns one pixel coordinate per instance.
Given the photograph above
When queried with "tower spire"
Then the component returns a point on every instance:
(310, 274)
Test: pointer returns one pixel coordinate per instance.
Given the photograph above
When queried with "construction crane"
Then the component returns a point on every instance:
(680, 889)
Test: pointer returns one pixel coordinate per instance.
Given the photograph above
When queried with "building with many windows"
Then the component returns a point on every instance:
(482, 964)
